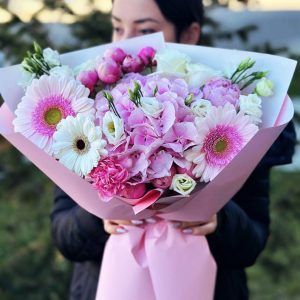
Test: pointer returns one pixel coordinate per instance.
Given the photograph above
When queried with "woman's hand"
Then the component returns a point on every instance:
(117, 226)
(197, 228)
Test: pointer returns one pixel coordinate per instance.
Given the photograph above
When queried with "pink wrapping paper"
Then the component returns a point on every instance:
(161, 263)
(158, 262)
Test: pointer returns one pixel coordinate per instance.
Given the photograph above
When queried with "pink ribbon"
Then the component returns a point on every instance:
(156, 262)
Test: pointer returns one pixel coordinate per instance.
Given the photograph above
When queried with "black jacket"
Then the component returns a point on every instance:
(242, 231)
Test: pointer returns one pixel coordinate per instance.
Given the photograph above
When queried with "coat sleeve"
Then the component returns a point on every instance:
(243, 227)
(78, 235)
(244, 224)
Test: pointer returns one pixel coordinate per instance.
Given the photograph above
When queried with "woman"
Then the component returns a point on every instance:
(236, 236)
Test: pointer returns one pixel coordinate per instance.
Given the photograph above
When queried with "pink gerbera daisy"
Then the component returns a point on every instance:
(47, 101)
(223, 134)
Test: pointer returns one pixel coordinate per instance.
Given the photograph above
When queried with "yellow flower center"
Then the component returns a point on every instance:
(220, 145)
(111, 127)
(53, 116)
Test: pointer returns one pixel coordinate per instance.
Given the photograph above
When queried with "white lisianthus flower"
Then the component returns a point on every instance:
(26, 79)
(251, 106)
(183, 184)
(113, 128)
(199, 74)
(61, 71)
(264, 87)
(201, 107)
(86, 66)
(51, 57)
(172, 61)
(78, 144)
(151, 106)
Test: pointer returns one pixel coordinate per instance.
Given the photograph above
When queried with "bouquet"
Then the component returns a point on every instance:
(134, 125)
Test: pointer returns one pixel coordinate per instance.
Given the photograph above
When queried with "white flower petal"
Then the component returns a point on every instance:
(69, 132)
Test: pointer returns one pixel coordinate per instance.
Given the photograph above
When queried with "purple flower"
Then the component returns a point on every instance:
(161, 85)
(181, 136)
(180, 87)
(137, 118)
(131, 77)
(137, 163)
(124, 107)
(160, 164)
(144, 136)
(221, 91)
(166, 120)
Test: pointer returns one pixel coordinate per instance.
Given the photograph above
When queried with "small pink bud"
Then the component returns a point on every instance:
(186, 171)
(164, 182)
(109, 71)
(116, 54)
(134, 191)
(147, 55)
(133, 64)
(88, 78)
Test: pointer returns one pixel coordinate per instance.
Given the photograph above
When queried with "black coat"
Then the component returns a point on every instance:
(243, 229)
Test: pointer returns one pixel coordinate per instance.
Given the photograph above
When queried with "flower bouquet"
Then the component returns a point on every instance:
(121, 127)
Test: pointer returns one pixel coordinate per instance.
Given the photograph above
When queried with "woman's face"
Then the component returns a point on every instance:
(132, 18)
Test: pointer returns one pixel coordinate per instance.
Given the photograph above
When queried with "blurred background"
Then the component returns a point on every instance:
(30, 266)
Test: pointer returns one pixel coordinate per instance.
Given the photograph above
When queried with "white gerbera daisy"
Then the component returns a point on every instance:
(47, 101)
(78, 144)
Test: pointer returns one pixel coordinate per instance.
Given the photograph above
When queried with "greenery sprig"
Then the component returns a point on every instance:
(240, 75)
(188, 99)
(34, 63)
(136, 94)
(111, 104)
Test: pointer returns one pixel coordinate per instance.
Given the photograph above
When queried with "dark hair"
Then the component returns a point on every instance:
(182, 13)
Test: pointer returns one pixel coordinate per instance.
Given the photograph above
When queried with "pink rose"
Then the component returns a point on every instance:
(134, 191)
(164, 182)
(221, 91)
(109, 178)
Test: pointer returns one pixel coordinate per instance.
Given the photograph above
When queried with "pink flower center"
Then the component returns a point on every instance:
(49, 112)
(221, 145)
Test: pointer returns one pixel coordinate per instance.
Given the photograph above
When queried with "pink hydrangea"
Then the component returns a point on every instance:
(221, 91)
(109, 178)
